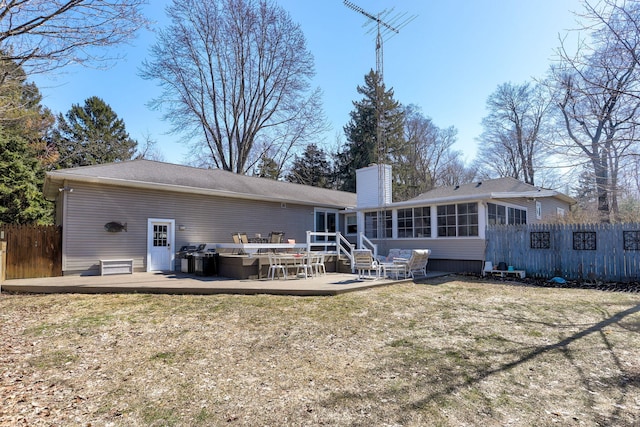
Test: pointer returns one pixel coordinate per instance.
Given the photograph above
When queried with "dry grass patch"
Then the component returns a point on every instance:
(453, 352)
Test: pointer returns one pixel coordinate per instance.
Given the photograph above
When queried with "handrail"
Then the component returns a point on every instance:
(340, 243)
(365, 243)
(324, 243)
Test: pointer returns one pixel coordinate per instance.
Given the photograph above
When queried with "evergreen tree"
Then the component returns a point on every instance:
(92, 134)
(312, 168)
(363, 147)
(21, 177)
(21, 111)
(268, 168)
(24, 126)
(586, 192)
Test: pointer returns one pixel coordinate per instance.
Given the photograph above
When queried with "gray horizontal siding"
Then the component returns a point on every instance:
(206, 220)
(441, 248)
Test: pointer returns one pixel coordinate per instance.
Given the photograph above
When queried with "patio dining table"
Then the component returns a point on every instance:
(252, 248)
(295, 261)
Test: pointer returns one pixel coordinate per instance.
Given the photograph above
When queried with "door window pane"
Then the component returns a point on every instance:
(160, 235)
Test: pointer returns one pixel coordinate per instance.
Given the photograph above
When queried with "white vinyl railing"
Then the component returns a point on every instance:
(339, 244)
(326, 240)
(365, 243)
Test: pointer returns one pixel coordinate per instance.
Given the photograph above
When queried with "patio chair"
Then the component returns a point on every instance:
(276, 266)
(488, 268)
(363, 261)
(305, 266)
(317, 263)
(417, 264)
(237, 239)
(276, 237)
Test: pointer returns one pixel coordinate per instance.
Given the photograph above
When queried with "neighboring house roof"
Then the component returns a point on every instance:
(500, 188)
(166, 176)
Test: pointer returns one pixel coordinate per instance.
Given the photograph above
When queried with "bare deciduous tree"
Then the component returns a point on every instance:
(597, 98)
(42, 35)
(512, 143)
(429, 157)
(236, 74)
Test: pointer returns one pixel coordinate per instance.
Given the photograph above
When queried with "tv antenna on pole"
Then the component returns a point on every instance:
(385, 25)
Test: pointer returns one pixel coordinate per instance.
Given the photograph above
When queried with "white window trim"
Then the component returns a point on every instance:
(353, 215)
(507, 205)
(395, 225)
(482, 214)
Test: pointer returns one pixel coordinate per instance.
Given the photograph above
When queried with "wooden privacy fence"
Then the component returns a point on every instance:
(609, 252)
(32, 251)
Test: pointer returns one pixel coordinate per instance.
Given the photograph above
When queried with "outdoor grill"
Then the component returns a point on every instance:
(206, 261)
(198, 259)
(187, 261)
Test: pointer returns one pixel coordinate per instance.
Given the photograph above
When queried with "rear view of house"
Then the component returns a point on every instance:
(145, 211)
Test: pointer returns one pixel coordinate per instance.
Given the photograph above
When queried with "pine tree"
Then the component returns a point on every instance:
(585, 191)
(21, 177)
(24, 126)
(268, 168)
(92, 134)
(312, 168)
(21, 111)
(363, 147)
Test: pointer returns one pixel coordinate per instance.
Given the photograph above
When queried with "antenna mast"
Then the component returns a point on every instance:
(385, 25)
(387, 28)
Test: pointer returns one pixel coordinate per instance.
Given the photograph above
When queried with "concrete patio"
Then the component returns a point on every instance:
(181, 283)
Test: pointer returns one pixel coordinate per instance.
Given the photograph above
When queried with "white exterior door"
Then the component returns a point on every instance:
(326, 221)
(160, 243)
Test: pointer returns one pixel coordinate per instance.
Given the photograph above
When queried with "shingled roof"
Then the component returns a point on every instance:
(500, 188)
(167, 176)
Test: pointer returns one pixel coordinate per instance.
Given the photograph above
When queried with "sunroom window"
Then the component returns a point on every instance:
(414, 222)
(447, 221)
(467, 219)
(517, 216)
(405, 223)
(459, 220)
(499, 214)
(378, 225)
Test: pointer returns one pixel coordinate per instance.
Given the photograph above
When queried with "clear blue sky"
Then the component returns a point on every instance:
(447, 61)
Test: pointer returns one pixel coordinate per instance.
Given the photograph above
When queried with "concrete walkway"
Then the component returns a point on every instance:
(180, 283)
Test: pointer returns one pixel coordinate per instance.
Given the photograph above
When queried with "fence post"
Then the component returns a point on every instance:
(3, 262)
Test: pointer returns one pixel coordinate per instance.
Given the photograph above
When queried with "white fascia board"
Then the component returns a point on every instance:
(468, 198)
(535, 195)
(423, 202)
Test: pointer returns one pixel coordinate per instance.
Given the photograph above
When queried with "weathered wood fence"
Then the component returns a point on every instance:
(32, 251)
(609, 252)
